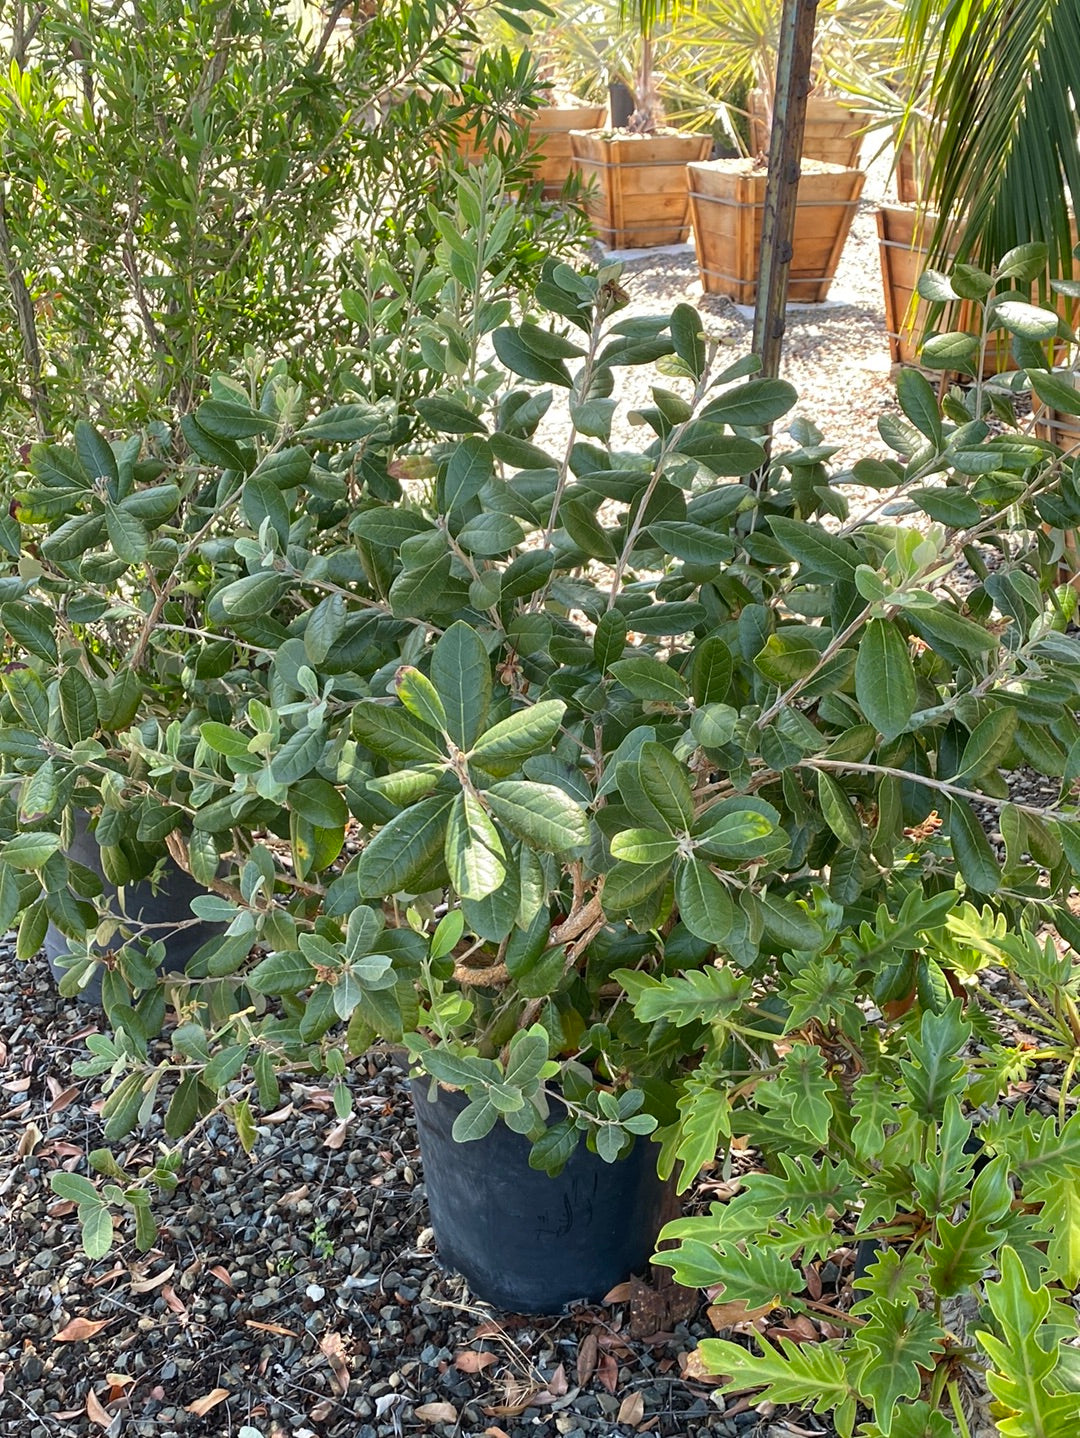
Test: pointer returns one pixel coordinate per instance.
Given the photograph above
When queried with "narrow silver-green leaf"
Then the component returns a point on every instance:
(988, 744)
(418, 694)
(666, 784)
(643, 846)
(393, 733)
(126, 535)
(838, 811)
(519, 735)
(971, 848)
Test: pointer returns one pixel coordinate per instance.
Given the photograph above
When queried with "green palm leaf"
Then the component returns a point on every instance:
(1004, 94)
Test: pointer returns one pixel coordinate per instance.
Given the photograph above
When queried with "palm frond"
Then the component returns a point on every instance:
(647, 16)
(1004, 98)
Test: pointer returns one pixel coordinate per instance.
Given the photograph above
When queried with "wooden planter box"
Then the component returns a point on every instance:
(903, 232)
(1059, 428)
(550, 129)
(638, 194)
(832, 133)
(903, 259)
(911, 175)
(727, 200)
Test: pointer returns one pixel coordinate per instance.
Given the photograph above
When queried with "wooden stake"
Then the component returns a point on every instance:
(793, 64)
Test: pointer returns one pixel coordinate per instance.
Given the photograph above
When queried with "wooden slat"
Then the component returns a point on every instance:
(830, 132)
(728, 208)
(550, 132)
(641, 198)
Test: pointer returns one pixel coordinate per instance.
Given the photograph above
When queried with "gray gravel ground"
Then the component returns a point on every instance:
(297, 1292)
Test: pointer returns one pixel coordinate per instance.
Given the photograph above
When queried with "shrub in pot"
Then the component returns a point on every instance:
(921, 312)
(118, 622)
(638, 195)
(618, 732)
(727, 206)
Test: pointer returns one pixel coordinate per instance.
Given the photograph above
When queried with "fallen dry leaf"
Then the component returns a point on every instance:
(147, 1285)
(64, 1099)
(619, 1294)
(96, 1412)
(469, 1361)
(631, 1410)
(222, 1275)
(494, 1432)
(202, 1406)
(29, 1139)
(117, 1271)
(728, 1315)
(66, 1150)
(587, 1358)
(799, 1330)
(278, 1116)
(119, 1380)
(175, 1303)
(719, 1188)
(293, 1197)
(1054, 1095)
(335, 1137)
(436, 1413)
(322, 1410)
(607, 1373)
(658, 1339)
(516, 1408)
(332, 1347)
(80, 1329)
(557, 1385)
(271, 1328)
(486, 1330)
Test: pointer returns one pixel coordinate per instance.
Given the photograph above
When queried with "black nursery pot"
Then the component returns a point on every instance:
(526, 1242)
(170, 905)
(620, 104)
